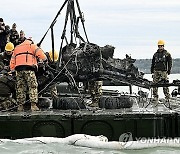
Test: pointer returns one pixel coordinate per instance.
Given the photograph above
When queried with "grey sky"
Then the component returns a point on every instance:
(132, 26)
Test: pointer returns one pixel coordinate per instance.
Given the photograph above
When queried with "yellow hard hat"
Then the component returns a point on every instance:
(56, 55)
(161, 42)
(9, 46)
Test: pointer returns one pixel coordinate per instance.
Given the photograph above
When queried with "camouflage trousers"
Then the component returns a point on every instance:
(157, 77)
(26, 83)
(7, 103)
(95, 90)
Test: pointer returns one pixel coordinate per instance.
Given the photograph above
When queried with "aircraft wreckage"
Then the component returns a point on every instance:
(69, 113)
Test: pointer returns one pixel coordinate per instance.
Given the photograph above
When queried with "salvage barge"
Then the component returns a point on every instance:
(111, 123)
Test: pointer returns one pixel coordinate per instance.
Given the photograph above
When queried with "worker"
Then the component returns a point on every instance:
(14, 35)
(161, 68)
(22, 37)
(3, 35)
(24, 62)
(5, 57)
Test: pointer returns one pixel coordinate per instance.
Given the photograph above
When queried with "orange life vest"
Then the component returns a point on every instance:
(26, 54)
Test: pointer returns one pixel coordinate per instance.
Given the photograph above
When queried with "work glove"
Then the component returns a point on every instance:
(168, 72)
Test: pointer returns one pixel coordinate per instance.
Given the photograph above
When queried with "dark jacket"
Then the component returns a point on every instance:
(4, 61)
(21, 40)
(5, 58)
(14, 36)
(7, 85)
(161, 61)
(3, 35)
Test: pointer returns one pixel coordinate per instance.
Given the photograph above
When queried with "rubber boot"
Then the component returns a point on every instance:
(34, 107)
(20, 108)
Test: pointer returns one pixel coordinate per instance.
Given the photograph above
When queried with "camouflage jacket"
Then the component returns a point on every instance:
(14, 36)
(161, 61)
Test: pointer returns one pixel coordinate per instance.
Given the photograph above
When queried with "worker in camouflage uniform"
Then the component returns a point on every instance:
(24, 62)
(14, 35)
(7, 92)
(95, 90)
(161, 68)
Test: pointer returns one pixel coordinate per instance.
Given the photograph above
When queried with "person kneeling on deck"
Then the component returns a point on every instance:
(24, 62)
(161, 68)
(7, 94)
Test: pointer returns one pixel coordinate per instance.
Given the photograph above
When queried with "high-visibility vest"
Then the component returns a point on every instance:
(26, 54)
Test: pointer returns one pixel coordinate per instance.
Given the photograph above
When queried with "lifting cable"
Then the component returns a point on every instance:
(53, 22)
(63, 35)
(82, 20)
